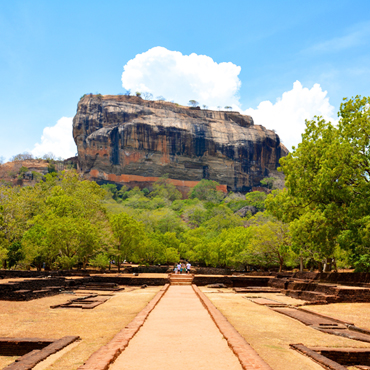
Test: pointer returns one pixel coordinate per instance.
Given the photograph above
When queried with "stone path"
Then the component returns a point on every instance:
(179, 333)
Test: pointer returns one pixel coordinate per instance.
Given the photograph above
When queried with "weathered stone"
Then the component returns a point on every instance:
(128, 140)
(243, 211)
(219, 285)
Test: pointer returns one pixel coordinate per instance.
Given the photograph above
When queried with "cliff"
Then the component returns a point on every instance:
(128, 140)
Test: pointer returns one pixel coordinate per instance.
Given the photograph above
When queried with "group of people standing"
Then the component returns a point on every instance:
(181, 267)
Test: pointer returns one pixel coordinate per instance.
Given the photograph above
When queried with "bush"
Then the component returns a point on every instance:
(363, 263)
(100, 261)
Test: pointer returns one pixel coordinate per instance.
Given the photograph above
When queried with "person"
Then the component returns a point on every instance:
(188, 267)
(175, 269)
(179, 268)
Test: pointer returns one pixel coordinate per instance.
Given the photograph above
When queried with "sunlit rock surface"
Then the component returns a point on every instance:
(128, 140)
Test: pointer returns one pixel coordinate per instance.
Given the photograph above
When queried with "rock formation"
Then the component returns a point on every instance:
(27, 172)
(128, 140)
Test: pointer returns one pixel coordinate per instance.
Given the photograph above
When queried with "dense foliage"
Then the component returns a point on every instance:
(64, 222)
(321, 217)
(327, 195)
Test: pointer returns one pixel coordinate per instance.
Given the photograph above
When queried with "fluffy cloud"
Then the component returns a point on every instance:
(57, 140)
(181, 77)
(287, 116)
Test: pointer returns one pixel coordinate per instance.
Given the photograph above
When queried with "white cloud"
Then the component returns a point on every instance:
(287, 116)
(181, 77)
(57, 139)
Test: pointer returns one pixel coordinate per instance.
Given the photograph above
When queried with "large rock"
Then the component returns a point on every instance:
(242, 212)
(128, 140)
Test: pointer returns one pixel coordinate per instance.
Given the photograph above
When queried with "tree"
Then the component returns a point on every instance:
(111, 189)
(160, 98)
(21, 157)
(128, 234)
(2, 160)
(163, 188)
(205, 106)
(327, 180)
(48, 220)
(256, 199)
(3, 240)
(207, 190)
(101, 261)
(270, 241)
(138, 94)
(193, 103)
(268, 182)
(228, 107)
(147, 95)
(49, 157)
(51, 168)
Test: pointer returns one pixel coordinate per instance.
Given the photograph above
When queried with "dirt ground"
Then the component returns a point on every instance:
(270, 333)
(356, 313)
(96, 327)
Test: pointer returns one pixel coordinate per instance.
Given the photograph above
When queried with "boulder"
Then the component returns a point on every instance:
(243, 211)
(128, 140)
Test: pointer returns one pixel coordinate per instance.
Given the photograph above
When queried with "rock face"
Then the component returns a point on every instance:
(128, 140)
(242, 212)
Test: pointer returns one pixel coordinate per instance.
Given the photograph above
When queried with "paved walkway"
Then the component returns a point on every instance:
(178, 334)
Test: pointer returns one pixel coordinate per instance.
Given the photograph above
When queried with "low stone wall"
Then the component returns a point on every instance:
(24, 290)
(211, 271)
(232, 281)
(346, 356)
(206, 280)
(131, 281)
(246, 281)
(148, 269)
(345, 278)
(21, 346)
(12, 274)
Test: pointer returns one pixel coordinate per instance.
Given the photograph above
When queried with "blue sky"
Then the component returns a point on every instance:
(52, 52)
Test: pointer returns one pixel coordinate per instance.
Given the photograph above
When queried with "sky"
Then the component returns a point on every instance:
(279, 61)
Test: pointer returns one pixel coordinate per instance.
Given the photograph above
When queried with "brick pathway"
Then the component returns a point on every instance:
(179, 333)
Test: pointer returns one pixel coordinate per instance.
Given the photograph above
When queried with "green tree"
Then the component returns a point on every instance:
(100, 261)
(327, 180)
(206, 190)
(164, 189)
(268, 182)
(128, 234)
(256, 199)
(111, 189)
(270, 241)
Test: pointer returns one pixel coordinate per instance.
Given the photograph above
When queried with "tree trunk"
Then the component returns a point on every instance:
(300, 264)
(319, 265)
(281, 262)
(280, 266)
(335, 264)
(327, 264)
(118, 265)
